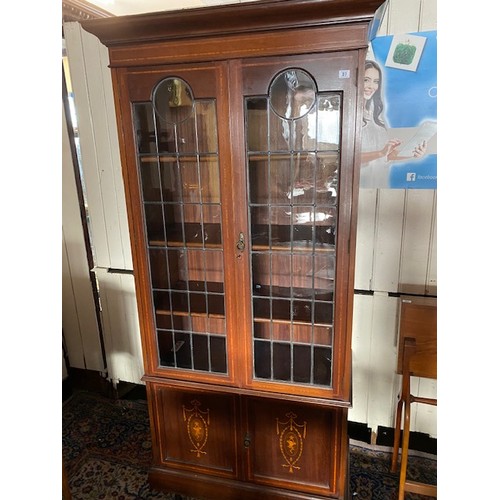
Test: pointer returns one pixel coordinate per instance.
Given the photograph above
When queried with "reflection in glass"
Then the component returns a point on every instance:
(206, 126)
(292, 93)
(173, 100)
(293, 138)
(144, 126)
(328, 125)
(257, 124)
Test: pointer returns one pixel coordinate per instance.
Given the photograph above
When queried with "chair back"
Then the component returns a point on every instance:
(418, 321)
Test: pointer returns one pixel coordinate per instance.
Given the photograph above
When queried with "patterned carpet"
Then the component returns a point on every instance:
(107, 452)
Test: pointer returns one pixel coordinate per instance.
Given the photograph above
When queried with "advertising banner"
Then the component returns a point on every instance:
(399, 133)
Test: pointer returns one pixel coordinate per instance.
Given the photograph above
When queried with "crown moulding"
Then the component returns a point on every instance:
(80, 10)
(261, 15)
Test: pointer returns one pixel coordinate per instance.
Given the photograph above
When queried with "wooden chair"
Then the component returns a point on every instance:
(417, 356)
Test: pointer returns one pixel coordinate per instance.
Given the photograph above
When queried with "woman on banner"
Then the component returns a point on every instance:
(378, 150)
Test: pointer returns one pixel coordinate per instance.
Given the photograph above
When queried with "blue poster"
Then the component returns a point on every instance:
(399, 132)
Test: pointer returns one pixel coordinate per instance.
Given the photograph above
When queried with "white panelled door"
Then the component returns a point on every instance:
(79, 316)
(108, 225)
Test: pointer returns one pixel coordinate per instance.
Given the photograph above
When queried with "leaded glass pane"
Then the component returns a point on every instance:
(292, 141)
(177, 146)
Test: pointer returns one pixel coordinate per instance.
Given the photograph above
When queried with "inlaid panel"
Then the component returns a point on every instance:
(197, 431)
(293, 443)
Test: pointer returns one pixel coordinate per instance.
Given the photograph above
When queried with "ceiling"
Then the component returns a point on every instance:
(126, 7)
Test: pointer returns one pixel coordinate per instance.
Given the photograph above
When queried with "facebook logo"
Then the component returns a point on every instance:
(411, 177)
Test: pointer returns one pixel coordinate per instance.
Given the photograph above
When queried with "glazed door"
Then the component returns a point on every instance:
(175, 167)
(240, 179)
(299, 120)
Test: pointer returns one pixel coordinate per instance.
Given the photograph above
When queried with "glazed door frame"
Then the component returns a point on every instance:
(135, 86)
(333, 72)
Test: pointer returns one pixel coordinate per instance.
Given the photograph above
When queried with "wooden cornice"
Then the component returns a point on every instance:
(80, 10)
(261, 15)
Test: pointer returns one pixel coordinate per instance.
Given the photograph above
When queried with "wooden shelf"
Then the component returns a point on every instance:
(191, 232)
(295, 248)
(183, 244)
(173, 158)
(287, 156)
(288, 322)
(165, 312)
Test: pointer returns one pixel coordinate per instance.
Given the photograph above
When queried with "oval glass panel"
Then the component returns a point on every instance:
(292, 93)
(173, 100)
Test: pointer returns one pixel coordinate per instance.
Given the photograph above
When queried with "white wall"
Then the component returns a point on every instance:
(79, 321)
(93, 93)
(396, 249)
(395, 252)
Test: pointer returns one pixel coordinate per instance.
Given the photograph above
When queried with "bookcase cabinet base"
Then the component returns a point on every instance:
(204, 487)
